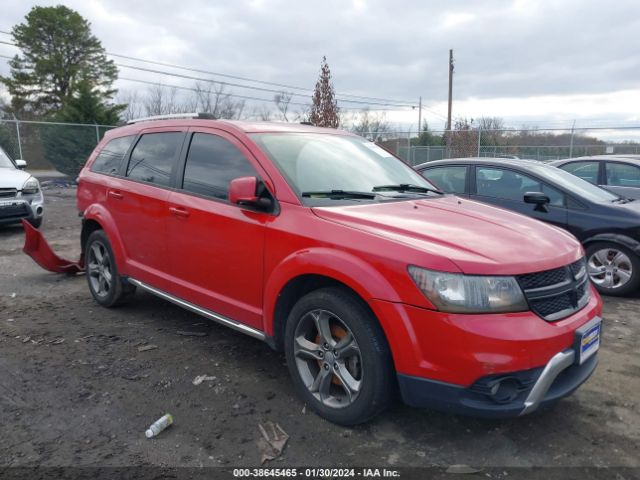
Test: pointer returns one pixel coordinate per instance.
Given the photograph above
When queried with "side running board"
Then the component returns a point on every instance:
(216, 317)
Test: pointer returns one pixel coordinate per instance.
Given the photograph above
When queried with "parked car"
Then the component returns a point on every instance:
(617, 173)
(20, 193)
(328, 247)
(607, 225)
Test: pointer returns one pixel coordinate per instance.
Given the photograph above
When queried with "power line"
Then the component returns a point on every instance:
(261, 89)
(245, 97)
(375, 100)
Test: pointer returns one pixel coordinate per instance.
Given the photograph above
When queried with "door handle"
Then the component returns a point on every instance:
(116, 194)
(179, 212)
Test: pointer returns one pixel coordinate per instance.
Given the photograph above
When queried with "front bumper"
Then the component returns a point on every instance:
(28, 207)
(450, 361)
(537, 388)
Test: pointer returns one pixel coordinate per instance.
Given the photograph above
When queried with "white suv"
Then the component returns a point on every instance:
(20, 193)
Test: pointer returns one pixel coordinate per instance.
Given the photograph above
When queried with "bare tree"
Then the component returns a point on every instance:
(212, 98)
(262, 113)
(282, 101)
(371, 125)
(162, 100)
(301, 115)
(134, 107)
(462, 140)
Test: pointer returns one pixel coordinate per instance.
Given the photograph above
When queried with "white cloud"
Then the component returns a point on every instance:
(516, 58)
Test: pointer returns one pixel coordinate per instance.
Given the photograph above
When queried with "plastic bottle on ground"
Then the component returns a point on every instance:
(159, 425)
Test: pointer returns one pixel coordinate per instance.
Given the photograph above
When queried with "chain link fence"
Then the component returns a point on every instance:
(50, 146)
(66, 146)
(535, 144)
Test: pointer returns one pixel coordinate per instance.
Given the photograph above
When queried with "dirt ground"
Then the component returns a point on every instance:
(75, 390)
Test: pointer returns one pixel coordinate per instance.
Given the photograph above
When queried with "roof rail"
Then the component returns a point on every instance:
(173, 116)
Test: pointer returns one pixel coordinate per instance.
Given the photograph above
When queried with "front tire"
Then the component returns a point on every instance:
(102, 274)
(338, 356)
(613, 268)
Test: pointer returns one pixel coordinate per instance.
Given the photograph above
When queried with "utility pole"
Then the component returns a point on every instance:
(450, 88)
(419, 116)
(571, 144)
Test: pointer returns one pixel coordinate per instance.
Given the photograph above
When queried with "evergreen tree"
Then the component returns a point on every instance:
(67, 147)
(58, 53)
(324, 109)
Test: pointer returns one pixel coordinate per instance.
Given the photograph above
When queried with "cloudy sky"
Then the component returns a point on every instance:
(536, 62)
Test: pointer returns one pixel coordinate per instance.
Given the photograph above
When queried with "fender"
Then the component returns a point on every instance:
(339, 265)
(101, 215)
(623, 240)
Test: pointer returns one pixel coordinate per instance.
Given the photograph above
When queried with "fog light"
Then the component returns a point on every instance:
(506, 390)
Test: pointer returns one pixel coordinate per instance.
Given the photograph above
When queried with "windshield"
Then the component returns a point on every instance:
(314, 163)
(576, 185)
(5, 161)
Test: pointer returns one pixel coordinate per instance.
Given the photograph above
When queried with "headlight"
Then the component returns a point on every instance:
(31, 186)
(455, 292)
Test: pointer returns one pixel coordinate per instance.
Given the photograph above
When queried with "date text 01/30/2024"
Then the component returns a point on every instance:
(316, 472)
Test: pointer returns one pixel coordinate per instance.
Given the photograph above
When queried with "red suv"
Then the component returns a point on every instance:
(328, 247)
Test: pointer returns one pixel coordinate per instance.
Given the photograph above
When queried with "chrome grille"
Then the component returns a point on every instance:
(557, 293)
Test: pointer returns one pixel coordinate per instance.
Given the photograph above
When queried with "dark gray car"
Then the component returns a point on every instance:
(617, 173)
(607, 225)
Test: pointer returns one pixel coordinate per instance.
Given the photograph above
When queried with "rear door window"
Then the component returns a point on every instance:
(154, 156)
(623, 175)
(450, 179)
(585, 170)
(111, 155)
(212, 162)
(511, 185)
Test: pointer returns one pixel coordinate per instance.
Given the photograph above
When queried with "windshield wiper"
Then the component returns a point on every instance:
(406, 187)
(338, 194)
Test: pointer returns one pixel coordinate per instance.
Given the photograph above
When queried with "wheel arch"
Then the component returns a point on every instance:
(304, 272)
(616, 238)
(95, 218)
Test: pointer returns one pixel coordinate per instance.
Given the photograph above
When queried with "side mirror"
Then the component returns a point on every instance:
(539, 199)
(21, 164)
(244, 191)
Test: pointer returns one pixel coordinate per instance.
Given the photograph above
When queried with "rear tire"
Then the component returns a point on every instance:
(613, 268)
(105, 284)
(338, 356)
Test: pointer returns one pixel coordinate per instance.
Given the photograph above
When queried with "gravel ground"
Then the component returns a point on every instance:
(75, 389)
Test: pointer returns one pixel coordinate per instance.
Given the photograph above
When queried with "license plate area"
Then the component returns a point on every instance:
(587, 340)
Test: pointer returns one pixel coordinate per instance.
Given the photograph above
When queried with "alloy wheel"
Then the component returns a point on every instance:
(99, 269)
(328, 358)
(610, 268)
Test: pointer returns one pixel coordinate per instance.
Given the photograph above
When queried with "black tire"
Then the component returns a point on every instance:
(630, 264)
(96, 276)
(372, 362)
(36, 222)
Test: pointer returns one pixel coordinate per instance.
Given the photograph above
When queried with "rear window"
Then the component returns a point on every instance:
(585, 170)
(154, 157)
(111, 155)
(450, 179)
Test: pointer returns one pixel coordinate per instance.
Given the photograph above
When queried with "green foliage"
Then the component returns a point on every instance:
(427, 138)
(58, 53)
(8, 139)
(68, 147)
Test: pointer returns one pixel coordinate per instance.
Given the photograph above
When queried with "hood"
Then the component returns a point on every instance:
(478, 238)
(13, 178)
